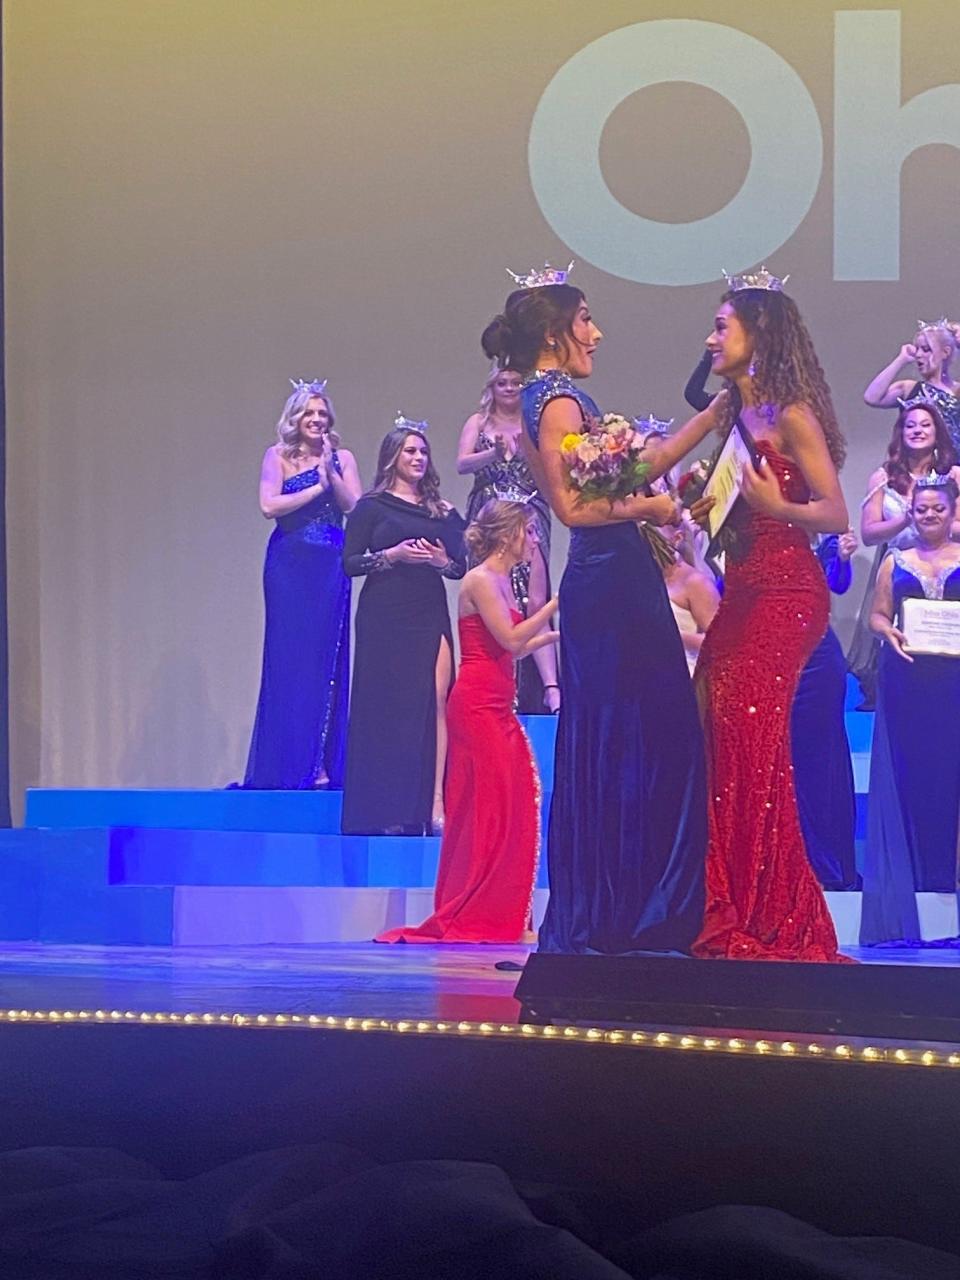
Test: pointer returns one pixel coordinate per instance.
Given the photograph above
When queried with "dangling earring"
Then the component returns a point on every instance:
(752, 370)
(552, 344)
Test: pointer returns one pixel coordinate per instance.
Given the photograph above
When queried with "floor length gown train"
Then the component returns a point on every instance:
(491, 840)
(301, 721)
(627, 828)
(763, 899)
(914, 802)
(402, 619)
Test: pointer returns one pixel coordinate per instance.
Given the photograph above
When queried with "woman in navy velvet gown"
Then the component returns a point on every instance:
(627, 832)
(822, 769)
(307, 484)
(914, 802)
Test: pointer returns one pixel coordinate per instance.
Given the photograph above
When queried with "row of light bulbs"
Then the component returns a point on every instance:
(903, 1055)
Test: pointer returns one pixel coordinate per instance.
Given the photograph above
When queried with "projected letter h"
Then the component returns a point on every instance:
(874, 134)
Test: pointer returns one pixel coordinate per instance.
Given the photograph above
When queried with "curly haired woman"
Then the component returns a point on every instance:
(763, 899)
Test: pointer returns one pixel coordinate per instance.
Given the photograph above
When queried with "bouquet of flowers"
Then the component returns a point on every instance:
(604, 461)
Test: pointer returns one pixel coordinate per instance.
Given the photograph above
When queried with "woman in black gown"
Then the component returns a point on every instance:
(405, 539)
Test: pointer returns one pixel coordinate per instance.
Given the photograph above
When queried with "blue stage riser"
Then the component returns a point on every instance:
(307, 812)
(154, 866)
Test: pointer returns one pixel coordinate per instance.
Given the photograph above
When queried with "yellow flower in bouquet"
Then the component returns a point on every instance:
(604, 461)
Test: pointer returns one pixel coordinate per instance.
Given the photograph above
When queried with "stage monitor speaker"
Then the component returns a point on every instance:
(915, 1002)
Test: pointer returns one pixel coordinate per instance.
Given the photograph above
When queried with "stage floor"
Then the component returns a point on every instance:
(343, 980)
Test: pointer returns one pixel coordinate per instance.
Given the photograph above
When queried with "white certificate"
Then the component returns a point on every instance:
(726, 476)
(931, 626)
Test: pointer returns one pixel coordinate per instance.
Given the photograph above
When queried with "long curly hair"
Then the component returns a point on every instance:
(786, 369)
(288, 426)
(895, 464)
(429, 486)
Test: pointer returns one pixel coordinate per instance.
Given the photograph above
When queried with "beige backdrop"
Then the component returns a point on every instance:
(204, 197)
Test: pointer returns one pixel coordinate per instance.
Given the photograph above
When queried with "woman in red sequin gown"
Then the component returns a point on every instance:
(763, 900)
(491, 839)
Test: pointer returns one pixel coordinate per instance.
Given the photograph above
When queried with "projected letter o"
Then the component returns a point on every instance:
(785, 162)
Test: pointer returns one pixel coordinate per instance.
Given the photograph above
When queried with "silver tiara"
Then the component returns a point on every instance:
(535, 279)
(511, 493)
(934, 480)
(401, 423)
(762, 279)
(924, 399)
(942, 323)
(314, 388)
(652, 425)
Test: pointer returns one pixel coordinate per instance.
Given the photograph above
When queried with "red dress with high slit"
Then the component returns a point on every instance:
(763, 900)
(491, 839)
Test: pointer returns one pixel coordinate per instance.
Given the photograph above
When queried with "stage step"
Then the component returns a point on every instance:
(204, 866)
(94, 886)
(307, 812)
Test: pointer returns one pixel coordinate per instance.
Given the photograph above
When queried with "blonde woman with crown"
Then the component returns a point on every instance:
(308, 483)
(491, 452)
(932, 350)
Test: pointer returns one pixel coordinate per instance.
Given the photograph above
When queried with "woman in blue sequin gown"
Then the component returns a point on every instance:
(307, 484)
(914, 802)
(627, 833)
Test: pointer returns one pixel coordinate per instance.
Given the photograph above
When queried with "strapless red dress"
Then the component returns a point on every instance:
(491, 839)
(763, 900)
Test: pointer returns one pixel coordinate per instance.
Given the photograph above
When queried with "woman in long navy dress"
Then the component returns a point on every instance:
(822, 769)
(405, 540)
(307, 484)
(627, 832)
(914, 802)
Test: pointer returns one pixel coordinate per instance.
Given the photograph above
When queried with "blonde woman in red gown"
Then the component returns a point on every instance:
(491, 839)
(763, 900)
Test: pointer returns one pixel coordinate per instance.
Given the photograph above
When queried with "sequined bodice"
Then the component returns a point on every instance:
(503, 472)
(319, 520)
(544, 387)
(909, 583)
(793, 488)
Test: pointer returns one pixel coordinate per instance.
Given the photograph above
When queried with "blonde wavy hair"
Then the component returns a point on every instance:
(786, 369)
(288, 427)
(947, 334)
(495, 528)
(487, 396)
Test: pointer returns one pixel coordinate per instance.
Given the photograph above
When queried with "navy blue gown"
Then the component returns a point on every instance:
(301, 724)
(628, 821)
(822, 769)
(914, 799)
